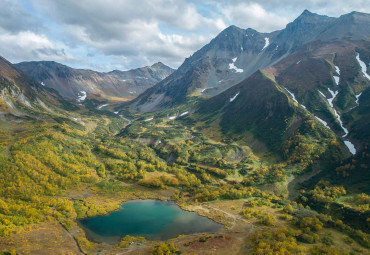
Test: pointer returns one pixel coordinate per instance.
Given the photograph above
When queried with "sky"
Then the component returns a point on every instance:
(105, 35)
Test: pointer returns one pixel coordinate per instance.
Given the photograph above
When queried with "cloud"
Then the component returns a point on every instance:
(122, 28)
(14, 18)
(27, 46)
(124, 34)
(290, 9)
(107, 19)
(253, 15)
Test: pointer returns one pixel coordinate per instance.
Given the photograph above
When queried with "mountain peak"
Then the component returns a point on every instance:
(308, 16)
(355, 16)
(231, 29)
(306, 12)
(158, 64)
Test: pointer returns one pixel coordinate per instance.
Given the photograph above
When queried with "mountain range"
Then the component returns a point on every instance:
(318, 62)
(78, 84)
(22, 97)
(237, 53)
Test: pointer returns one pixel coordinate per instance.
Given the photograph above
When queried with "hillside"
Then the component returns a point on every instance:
(23, 98)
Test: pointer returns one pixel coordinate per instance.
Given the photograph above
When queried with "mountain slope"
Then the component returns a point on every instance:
(236, 53)
(256, 106)
(327, 79)
(21, 97)
(75, 84)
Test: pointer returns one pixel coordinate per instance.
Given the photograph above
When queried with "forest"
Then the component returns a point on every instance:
(43, 163)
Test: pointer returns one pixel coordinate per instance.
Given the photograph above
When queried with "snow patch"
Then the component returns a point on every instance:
(116, 112)
(184, 113)
(322, 94)
(330, 101)
(336, 79)
(241, 48)
(233, 98)
(333, 94)
(234, 59)
(149, 119)
(172, 117)
(294, 99)
(323, 122)
(233, 67)
(337, 70)
(298, 62)
(203, 90)
(81, 96)
(363, 66)
(357, 98)
(341, 123)
(350, 147)
(267, 43)
(42, 83)
(104, 105)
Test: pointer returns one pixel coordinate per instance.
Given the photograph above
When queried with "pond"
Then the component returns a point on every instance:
(153, 219)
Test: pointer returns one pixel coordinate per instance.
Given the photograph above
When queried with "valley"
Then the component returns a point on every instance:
(264, 133)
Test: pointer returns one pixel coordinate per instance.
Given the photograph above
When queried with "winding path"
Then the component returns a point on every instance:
(74, 240)
(233, 216)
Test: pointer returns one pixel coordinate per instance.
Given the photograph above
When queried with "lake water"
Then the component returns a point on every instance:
(153, 219)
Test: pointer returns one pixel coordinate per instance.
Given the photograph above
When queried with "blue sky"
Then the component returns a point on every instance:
(122, 34)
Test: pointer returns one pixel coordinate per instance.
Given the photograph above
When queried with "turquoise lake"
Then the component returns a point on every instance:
(153, 219)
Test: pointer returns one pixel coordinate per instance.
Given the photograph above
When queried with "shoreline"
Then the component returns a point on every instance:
(114, 240)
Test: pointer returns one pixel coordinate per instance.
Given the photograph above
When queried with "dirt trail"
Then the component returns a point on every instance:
(235, 217)
(78, 248)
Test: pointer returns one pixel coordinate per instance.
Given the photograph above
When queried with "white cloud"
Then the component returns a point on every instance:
(253, 15)
(125, 34)
(14, 18)
(124, 28)
(27, 45)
